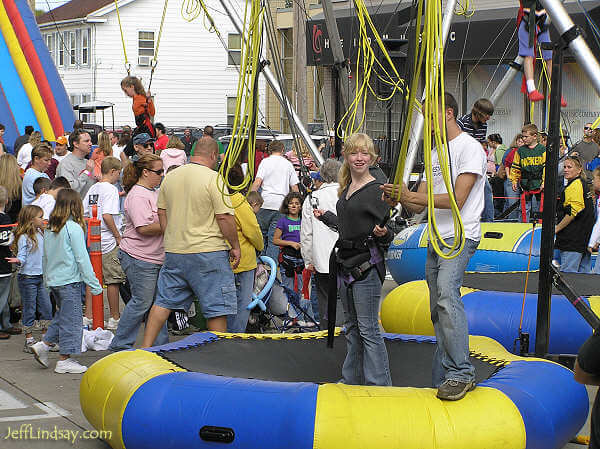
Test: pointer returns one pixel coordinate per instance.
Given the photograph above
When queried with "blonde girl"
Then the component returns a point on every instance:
(65, 272)
(143, 109)
(11, 180)
(29, 243)
(104, 149)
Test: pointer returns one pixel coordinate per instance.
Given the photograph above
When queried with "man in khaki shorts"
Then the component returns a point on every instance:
(105, 196)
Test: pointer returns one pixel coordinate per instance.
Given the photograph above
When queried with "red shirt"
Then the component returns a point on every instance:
(161, 143)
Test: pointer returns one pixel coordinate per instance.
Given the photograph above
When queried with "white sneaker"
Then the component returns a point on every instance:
(70, 366)
(40, 352)
(54, 348)
(112, 324)
(87, 322)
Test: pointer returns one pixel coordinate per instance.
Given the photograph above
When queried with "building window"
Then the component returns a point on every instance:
(50, 43)
(234, 46)
(61, 49)
(287, 62)
(231, 103)
(145, 47)
(72, 48)
(85, 46)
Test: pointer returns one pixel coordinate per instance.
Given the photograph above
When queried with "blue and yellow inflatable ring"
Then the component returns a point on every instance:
(150, 398)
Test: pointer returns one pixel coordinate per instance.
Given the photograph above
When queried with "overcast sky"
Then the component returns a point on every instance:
(49, 4)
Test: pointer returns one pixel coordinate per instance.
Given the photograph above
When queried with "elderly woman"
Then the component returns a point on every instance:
(316, 239)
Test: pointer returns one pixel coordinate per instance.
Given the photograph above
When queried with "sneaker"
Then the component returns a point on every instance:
(27, 346)
(40, 352)
(535, 95)
(453, 390)
(563, 103)
(87, 322)
(70, 366)
(112, 324)
(54, 348)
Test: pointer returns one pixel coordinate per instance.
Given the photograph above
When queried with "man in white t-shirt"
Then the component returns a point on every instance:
(453, 374)
(105, 196)
(276, 176)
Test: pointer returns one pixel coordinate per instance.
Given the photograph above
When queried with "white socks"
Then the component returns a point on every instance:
(530, 86)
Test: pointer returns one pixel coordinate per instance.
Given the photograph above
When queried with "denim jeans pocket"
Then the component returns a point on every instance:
(229, 294)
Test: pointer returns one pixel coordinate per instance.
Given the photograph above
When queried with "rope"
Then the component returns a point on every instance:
(127, 64)
(155, 60)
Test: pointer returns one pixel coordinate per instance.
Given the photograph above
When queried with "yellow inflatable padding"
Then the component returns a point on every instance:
(397, 318)
(595, 303)
(413, 418)
(109, 383)
(27, 79)
(512, 233)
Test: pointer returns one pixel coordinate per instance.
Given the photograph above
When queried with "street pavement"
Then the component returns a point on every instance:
(41, 409)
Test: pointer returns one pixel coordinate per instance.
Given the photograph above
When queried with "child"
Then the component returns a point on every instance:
(6, 238)
(46, 200)
(65, 271)
(255, 200)
(105, 195)
(595, 237)
(173, 155)
(143, 109)
(287, 236)
(30, 243)
(40, 160)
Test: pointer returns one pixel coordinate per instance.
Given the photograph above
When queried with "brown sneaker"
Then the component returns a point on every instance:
(453, 390)
(4, 336)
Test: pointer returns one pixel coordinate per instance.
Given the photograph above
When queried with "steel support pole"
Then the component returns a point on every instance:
(337, 51)
(417, 128)
(584, 56)
(513, 69)
(230, 10)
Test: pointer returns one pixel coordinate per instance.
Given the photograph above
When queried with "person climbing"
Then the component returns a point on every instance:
(533, 24)
(143, 109)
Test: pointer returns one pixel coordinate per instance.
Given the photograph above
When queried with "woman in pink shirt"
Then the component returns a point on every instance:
(141, 251)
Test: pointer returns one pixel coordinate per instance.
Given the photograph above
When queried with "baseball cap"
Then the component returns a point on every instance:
(142, 139)
(61, 140)
(331, 133)
(316, 176)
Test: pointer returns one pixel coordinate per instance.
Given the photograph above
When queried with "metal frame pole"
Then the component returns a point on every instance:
(417, 128)
(513, 69)
(571, 35)
(339, 61)
(229, 9)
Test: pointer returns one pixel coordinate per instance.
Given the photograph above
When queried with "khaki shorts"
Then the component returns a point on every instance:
(112, 273)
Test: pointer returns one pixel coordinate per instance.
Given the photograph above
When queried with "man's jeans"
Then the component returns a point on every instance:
(66, 327)
(574, 262)
(267, 220)
(244, 284)
(488, 209)
(366, 362)
(34, 296)
(444, 279)
(142, 277)
(509, 201)
(596, 269)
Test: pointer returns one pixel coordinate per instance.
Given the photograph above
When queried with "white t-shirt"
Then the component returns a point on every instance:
(465, 157)
(60, 158)
(117, 150)
(24, 156)
(106, 197)
(277, 174)
(46, 202)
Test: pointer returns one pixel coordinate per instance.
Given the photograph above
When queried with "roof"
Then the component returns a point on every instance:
(75, 9)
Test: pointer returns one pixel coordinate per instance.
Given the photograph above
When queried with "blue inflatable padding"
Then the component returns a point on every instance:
(63, 103)
(7, 119)
(174, 407)
(549, 424)
(497, 315)
(18, 112)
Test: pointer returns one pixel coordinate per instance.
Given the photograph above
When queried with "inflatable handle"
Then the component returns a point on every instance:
(257, 299)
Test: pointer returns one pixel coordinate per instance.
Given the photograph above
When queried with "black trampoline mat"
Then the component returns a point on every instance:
(307, 360)
(582, 284)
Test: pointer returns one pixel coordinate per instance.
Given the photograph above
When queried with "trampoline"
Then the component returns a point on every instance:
(280, 391)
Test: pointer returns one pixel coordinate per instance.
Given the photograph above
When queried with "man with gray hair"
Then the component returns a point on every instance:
(316, 239)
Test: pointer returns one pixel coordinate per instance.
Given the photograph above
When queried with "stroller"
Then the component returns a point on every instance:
(276, 308)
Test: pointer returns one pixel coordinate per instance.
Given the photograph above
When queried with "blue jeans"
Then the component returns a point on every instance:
(366, 362)
(314, 299)
(532, 203)
(444, 279)
(66, 327)
(267, 220)
(596, 269)
(574, 262)
(142, 277)
(509, 192)
(289, 281)
(34, 296)
(244, 284)
(4, 308)
(488, 209)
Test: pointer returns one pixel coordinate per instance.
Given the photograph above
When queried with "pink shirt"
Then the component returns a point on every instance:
(141, 210)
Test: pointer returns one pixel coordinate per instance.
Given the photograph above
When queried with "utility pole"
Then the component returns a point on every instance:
(32, 5)
(299, 41)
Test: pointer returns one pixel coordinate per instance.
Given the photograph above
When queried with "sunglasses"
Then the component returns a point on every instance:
(158, 172)
(587, 127)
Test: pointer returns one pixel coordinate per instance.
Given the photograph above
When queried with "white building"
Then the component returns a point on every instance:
(195, 82)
